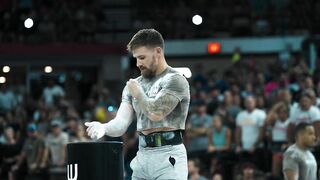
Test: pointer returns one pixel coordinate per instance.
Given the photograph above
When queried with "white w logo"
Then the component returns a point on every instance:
(70, 174)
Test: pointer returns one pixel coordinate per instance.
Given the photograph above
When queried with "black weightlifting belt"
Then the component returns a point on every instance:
(157, 139)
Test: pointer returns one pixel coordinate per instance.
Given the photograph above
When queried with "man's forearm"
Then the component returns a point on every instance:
(156, 109)
(118, 126)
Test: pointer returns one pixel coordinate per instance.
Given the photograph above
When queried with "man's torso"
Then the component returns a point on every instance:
(151, 87)
(306, 162)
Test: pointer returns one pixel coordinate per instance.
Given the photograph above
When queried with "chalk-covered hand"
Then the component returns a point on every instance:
(134, 88)
(95, 129)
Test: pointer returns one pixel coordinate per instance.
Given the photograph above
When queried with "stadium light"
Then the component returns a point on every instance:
(185, 71)
(2, 80)
(197, 19)
(48, 69)
(6, 69)
(28, 23)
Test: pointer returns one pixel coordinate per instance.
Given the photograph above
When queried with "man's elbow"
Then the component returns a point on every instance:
(290, 174)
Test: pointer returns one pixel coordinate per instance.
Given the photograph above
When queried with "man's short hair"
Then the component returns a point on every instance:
(146, 37)
(301, 127)
(308, 93)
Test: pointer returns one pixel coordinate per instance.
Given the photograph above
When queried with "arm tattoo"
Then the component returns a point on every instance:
(158, 108)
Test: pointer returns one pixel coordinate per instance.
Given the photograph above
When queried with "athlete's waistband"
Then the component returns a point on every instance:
(157, 139)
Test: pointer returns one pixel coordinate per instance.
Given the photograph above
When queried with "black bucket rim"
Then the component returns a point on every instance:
(96, 142)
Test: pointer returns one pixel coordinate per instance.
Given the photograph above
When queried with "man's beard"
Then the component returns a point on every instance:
(147, 73)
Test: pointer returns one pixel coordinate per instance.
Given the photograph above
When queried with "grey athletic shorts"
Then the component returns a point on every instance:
(160, 163)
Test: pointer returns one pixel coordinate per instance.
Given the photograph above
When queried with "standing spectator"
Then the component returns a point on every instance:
(304, 112)
(219, 136)
(249, 132)
(32, 152)
(51, 92)
(298, 162)
(219, 146)
(249, 126)
(197, 129)
(194, 169)
(278, 121)
(56, 143)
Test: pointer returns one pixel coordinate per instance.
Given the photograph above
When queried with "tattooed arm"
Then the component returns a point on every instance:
(173, 91)
(158, 108)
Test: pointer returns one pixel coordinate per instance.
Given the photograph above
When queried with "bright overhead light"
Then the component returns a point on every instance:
(28, 23)
(48, 69)
(197, 19)
(2, 79)
(185, 71)
(6, 69)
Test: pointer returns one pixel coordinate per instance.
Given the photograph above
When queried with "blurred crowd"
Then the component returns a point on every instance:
(34, 132)
(239, 124)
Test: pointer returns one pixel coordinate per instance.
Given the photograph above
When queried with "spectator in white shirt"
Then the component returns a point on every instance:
(304, 112)
(249, 126)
